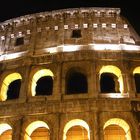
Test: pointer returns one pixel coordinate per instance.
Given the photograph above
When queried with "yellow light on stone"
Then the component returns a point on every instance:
(37, 76)
(136, 70)
(4, 127)
(122, 124)
(75, 122)
(33, 126)
(6, 82)
(116, 71)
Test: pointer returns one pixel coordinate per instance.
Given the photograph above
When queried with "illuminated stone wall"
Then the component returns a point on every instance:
(86, 41)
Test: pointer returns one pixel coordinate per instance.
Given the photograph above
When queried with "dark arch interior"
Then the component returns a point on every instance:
(44, 86)
(19, 41)
(14, 89)
(76, 82)
(109, 83)
(137, 82)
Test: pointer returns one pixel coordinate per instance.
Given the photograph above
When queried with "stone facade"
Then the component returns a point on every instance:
(86, 40)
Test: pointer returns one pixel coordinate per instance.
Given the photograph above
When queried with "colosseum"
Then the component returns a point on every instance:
(70, 74)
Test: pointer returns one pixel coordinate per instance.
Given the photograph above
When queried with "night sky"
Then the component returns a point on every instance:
(15, 8)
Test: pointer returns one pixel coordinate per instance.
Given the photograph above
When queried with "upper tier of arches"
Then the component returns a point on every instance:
(110, 80)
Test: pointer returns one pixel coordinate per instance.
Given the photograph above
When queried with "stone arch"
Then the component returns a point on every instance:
(76, 122)
(76, 81)
(113, 70)
(34, 126)
(37, 75)
(136, 75)
(5, 131)
(122, 124)
(6, 82)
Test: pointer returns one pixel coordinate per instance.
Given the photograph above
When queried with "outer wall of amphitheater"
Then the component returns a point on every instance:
(86, 43)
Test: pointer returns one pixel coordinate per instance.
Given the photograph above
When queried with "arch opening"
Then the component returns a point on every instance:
(42, 83)
(115, 129)
(111, 79)
(76, 83)
(76, 129)
(37, 130)
(137, 82)
(10, 87)
(109, 83)
(44, 86)
(136, 75)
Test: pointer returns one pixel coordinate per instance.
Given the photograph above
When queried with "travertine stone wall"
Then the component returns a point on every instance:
(48, 30)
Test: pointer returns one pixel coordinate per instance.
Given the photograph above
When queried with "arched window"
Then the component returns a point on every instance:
(42, 83)
(5, 132)
(136, 74)
(10, 87)
(44, 86)
(110, 79)
(76, 130)
(118, 129)
(37, 130)
(109, 83)
(76, 82)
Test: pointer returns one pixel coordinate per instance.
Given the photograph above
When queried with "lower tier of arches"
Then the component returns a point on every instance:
(70, 126)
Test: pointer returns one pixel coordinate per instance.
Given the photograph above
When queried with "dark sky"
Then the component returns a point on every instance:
(15, 8)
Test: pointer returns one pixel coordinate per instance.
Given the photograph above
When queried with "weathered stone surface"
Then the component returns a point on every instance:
(106, 39)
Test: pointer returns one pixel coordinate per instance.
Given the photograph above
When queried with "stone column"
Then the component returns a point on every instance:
(130, 85)
(125, 86)
(57, 83)
(93, 92)
(25, 83)
(17, 129)
(55, 128)
(97, 84)
(96, 127)
(101, 134)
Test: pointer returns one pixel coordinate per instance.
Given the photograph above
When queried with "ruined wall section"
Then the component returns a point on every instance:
(51, 29)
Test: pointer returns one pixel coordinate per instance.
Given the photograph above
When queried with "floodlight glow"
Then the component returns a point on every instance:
(71, 48)
(136, 70)
(12, 56)
(114, 95)
(115, 47)
(111, 69)
(106, 47)
(4, 127)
